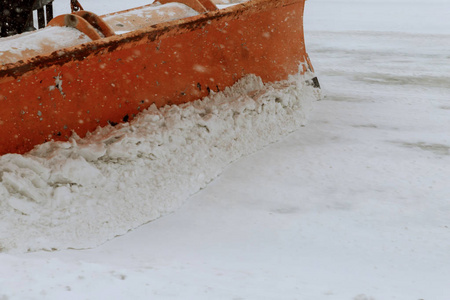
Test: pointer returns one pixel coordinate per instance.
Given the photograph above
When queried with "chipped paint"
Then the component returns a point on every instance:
(58, 85)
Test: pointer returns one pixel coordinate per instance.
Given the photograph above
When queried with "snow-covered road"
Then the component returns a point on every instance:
(356, 205)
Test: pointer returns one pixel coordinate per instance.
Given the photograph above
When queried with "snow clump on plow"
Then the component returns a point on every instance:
(81, 193)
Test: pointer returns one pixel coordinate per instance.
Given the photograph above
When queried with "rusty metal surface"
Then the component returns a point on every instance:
(113, 79)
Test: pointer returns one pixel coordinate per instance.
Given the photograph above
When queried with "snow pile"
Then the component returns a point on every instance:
(80, 193)
(40, 42)
(148, 15)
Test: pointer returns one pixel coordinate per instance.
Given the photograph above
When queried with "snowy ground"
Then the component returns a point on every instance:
(354, 206)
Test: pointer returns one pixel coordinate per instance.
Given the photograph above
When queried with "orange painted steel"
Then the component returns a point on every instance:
(86, 22)
(111, 80)
(96, 22)
(78, 22)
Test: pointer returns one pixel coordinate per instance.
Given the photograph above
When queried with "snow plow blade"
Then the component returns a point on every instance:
(113, 75)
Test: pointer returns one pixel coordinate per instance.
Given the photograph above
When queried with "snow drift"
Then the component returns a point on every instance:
(80, 193)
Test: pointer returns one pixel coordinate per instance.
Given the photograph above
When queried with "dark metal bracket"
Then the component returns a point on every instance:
(16, 16)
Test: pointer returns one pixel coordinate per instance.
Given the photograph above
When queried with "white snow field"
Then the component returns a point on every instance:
(355, 205)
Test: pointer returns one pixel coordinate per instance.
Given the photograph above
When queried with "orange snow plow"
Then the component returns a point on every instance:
(83, 71)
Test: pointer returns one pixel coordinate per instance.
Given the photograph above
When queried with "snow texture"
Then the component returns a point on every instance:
(40, 42)
(164, 10)
(80, 193)
(353, 206)
(147, 16)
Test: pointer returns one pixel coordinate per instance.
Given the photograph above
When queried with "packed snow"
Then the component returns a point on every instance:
(80, 193)
(148, 15)
(355, 205)
(44, 41)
